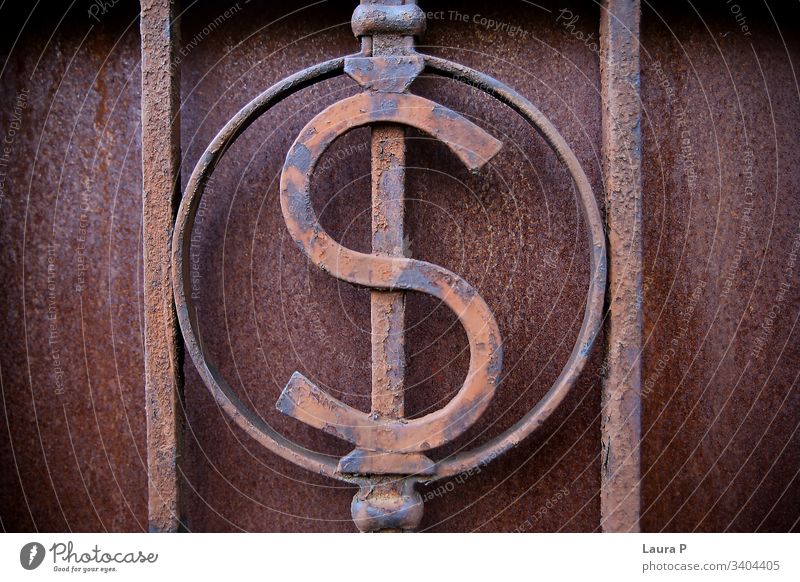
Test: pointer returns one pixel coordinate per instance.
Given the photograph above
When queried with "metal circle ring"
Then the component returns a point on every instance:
(254, 425)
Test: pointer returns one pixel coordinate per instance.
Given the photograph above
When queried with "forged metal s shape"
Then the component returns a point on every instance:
(304, 401)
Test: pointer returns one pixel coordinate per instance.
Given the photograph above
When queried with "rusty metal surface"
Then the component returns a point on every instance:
(304, 401)
(721, 118)
(593, 305)
(72, 424)
(720, 447)
(187, 288)
(387, 445)
(388, 308)
(620, 484)
(388, 17)
(161, 189)
(333, 364)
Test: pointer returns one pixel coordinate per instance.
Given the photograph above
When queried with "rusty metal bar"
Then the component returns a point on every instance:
(388, 307)
(160, 165)
(620, 485)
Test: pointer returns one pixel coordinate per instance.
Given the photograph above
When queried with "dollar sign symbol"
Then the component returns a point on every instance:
(386, 442)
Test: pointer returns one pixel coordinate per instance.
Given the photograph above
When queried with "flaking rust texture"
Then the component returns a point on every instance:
(388, 308)
(621, 402)
(160, 162)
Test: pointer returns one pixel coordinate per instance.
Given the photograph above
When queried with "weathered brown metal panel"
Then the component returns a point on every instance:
(161, 187)
(721, 449)
(622, 167)
(72, 424)
(721, 406)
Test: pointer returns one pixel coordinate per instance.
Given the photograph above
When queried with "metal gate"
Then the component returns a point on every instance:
(603, 193)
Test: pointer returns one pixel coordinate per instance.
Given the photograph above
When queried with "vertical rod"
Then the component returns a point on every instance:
(388, 312)
(160, 165)
(388, 308)
(620, 499)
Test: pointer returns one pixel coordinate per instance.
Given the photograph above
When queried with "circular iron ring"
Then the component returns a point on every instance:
(255, 426)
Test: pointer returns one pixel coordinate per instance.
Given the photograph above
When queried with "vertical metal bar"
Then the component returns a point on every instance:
(388, 308)
(160, 163)
(388, 214)
(620, 502)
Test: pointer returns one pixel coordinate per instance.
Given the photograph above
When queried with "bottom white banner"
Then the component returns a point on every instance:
(397, 557)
